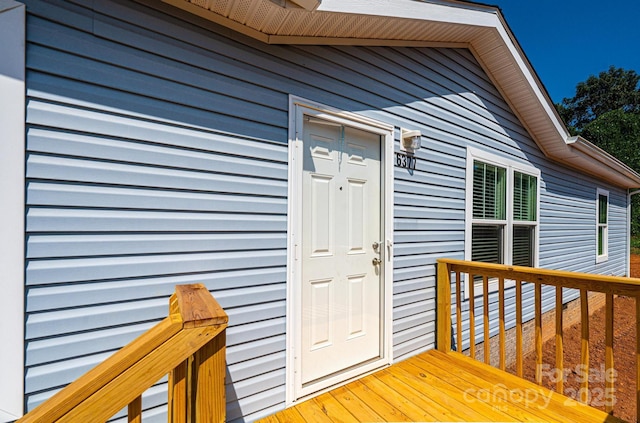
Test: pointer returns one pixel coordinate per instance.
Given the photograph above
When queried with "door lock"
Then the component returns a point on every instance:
(376, 261)
(375, 246)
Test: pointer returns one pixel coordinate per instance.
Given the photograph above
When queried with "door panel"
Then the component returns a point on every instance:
(322, 220)
(321, 306)
(356, 215)
(341, 221)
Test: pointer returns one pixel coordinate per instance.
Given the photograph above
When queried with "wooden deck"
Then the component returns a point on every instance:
(437, 386)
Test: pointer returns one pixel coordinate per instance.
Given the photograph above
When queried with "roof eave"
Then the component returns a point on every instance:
(601, 163)
(452, 23)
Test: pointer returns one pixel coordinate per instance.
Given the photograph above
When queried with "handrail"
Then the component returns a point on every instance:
(584, 282)
(617, 285)
(189, 345)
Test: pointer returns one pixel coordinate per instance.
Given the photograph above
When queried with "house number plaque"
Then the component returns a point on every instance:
(407, 162)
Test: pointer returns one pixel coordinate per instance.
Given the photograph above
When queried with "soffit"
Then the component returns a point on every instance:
(480, 28)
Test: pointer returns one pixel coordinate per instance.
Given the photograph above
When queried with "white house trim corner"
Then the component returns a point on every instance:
(12, 185)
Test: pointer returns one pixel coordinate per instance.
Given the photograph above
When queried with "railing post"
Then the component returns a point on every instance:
(208, 381)
(197, 386)
(443, 334)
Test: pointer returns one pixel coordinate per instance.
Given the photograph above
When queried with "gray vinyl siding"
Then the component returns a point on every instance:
(157, 155)
(136, 184)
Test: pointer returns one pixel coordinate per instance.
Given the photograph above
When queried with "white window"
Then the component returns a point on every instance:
(502, 210)
(602, 225)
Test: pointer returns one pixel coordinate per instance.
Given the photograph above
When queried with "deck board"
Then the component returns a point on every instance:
(435, 386)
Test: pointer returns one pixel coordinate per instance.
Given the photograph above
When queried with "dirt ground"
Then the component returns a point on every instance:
(623, 350)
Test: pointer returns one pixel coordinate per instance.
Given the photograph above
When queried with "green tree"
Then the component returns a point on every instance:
(618, 133)
(613, 89)
(606, 111)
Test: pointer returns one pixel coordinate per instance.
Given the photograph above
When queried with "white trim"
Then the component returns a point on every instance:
(297, 108)
(12, 185)
(460, 14)
(601, 258)
(510, 165)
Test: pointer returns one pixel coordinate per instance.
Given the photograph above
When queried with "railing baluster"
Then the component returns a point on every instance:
(472, 318)
(502, 339)
(485, 309)
(538, 331)
(177, 387)
(608, 354)
(519, 328)
(458, 313)
(584, 348)
(559, 345)
(134, 411)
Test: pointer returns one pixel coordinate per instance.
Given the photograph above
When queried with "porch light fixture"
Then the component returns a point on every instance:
(410, 142)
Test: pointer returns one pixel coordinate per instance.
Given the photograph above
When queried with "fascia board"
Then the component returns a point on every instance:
(607, 165)
(522, 64)
(409, 9)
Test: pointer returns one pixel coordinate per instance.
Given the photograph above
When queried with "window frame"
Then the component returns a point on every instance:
(511, 166)
(601, 258)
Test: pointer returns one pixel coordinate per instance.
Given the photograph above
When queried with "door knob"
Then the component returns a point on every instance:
(376, 261)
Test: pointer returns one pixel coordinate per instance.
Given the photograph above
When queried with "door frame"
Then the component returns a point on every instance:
(298, 107)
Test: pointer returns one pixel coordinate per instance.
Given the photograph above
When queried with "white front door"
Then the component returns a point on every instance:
(342, 250)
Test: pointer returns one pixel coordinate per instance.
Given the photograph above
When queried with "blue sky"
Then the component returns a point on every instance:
(568, 40)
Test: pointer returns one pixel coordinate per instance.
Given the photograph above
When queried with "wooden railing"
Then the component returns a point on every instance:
(450, 274)
(189, 345)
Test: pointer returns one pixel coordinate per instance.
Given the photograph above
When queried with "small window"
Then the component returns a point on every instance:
(602, 226)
